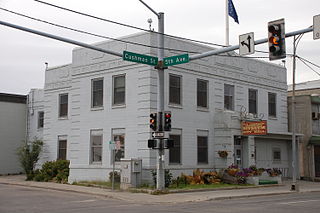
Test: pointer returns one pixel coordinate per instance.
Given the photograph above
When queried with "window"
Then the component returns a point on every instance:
(276, 155)
(202, 145)
(228, 97)
(174, 89)
(253, 95)
(202, 93)
(175, 151)
(272, 104)
(40, 119)
(63, 105)
(96, 146)
(119, 152)
(62, 148)
(97, 93)
(119, 90)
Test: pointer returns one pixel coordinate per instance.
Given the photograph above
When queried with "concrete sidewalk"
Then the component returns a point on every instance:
(193, 196)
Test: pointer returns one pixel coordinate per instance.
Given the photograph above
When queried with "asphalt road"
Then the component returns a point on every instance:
(17, 199)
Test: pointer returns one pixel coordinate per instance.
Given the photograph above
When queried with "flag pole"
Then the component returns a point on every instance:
(227, 23)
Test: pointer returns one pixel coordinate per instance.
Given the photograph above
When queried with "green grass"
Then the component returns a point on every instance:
(206, 186)
(100, 184)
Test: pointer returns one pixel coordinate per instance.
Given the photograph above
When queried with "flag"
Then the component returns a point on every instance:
(232, 11)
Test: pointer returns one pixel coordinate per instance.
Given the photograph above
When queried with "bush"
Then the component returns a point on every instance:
(116, 177)
(167, 177)
(28, 155)
(57, 171)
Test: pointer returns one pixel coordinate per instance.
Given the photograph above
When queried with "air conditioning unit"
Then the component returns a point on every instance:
(315, 115)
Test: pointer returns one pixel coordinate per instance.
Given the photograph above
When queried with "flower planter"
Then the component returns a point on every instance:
(256, 179)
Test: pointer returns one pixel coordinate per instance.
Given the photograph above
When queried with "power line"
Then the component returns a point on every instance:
(302, 60)
(127, 25)
(92, 34)
(309, 62)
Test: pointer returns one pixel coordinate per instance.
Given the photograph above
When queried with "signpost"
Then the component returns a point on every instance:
(246, 44)
(139, 58)
(174, 60)
(316, 27)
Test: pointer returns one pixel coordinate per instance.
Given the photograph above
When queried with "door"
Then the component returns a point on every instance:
(317, 160)
(238, 151)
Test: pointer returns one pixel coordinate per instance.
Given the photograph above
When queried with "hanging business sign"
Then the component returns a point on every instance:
(254, 127)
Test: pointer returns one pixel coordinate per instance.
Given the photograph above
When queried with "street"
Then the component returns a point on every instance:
(32, 200)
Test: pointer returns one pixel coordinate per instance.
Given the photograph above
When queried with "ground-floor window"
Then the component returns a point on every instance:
(202, 147)
(118, 136)
(96, 146)
(175, 151)
(62, 148)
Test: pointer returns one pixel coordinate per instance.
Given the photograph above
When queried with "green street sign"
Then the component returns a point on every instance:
(139, 58)
(174, 60)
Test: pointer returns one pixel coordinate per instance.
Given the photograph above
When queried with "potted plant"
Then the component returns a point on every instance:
(223, 153)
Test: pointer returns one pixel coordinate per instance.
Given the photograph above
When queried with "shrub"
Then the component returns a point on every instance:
(28, 155)
(116, 177)
(57, 171)
(167, 177)
(198, 177)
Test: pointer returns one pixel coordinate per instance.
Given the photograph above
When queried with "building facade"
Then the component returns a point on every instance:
(12, 131)
(100, 98)
(307, 113)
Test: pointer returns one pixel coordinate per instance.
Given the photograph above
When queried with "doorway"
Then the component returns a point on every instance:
(317, 160)
(238, 152)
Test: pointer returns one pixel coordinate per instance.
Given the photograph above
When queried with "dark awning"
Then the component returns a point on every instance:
(315, 140)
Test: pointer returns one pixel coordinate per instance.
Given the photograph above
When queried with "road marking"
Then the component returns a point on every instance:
(302, 201)
(83, 201)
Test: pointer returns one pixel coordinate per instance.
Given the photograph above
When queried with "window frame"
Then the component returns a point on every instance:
(225, 96)
(172, 101)
(199, 148)
(255, 111)
(63, 148)
(114, 90)
(60, 115)
(175, 149)
(96, 133)
(40, 119)
(278, 150)
(95, 93)
(272, 105)
(203, 93)
(121, 151)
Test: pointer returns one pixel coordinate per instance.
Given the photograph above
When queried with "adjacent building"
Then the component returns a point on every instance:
(100, 98)
(307, 113)
(12, 131)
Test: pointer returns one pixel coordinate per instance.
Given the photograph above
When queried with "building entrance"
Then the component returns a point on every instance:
(238, 152)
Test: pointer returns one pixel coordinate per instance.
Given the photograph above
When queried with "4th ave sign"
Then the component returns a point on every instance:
(150, 60)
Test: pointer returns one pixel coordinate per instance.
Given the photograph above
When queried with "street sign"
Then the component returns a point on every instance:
(174, 60)
(316, 27)
(246, 44)
(157, 134)
(139, 58)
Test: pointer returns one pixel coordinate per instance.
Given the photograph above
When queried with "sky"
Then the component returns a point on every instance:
(23, 55)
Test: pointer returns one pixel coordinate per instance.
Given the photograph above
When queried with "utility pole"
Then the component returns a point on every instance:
(160, 94)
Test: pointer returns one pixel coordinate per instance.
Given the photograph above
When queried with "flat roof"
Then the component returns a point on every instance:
(306, 85)
(13, 98)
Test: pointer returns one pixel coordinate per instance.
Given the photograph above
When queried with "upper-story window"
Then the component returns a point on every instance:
(97, 92)
(174, 89)
(40, 119)
(202, 93)
(253, 101)
(63, 105)
(229, 97)
(272, 104)
(119, 90)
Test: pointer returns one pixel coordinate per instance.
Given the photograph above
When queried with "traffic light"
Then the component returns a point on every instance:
(276, 40)
(153, 121)
(167, 121)
(152, 143)
(168, 143)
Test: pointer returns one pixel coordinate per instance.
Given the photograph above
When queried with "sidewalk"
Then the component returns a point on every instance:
(304, 186)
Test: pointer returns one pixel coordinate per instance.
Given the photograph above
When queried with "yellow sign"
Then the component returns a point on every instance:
(254, 127)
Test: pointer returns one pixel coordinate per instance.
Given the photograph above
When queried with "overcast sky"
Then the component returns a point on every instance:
(23, 55)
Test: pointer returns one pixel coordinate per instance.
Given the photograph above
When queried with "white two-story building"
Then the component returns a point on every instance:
(100, 98)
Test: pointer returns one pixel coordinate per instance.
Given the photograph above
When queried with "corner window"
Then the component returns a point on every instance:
(96, 93)
(119, 90)
(96, 146)
(175, 151)
(272, 105)
(229, 97)
(63, 105)
(202, 147)
(174, 89)
(253, 97)
(40, 119)
(202, 93)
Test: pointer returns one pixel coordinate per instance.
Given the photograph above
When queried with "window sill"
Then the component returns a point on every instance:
(97, 108)
(96, 164)
(175, 106)
(272, 118)
(118, 106)
(63, 118)
(203, 109)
